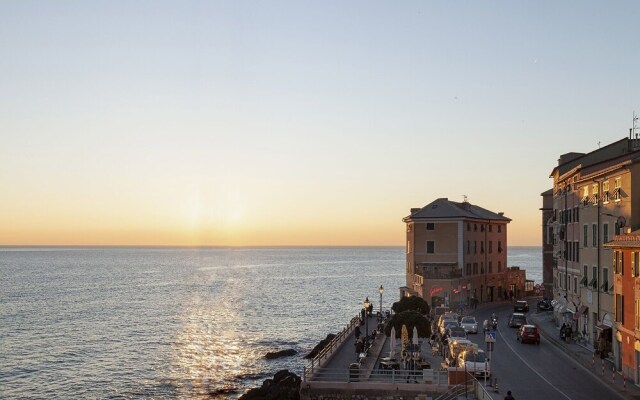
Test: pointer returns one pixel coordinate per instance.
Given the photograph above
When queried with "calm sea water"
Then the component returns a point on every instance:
(180, 323)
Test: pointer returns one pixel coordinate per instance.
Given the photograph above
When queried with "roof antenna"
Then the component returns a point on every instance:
(635, 126)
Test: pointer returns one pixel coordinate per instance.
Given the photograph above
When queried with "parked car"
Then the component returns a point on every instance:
(544, 305)
(475, 363)
(521, 306)
(517, 320)
(528, 333)
(448, 325)
(469, 324)
(457, 333)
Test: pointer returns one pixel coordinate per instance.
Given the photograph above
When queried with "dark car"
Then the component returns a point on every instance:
(517, 320)
(544, 305)
(521, 306)
(528, 333)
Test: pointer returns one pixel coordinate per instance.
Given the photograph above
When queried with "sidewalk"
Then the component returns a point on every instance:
(585, 356)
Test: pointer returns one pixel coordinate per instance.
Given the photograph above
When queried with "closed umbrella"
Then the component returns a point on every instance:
(392, 343)
(414, 339)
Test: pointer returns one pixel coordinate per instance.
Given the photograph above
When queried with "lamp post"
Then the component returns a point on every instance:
(367, 304)
(381, 290)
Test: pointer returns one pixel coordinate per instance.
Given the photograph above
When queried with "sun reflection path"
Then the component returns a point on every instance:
(212, 355)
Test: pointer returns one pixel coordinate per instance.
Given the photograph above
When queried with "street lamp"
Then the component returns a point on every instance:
(367, 304)
(381, 290)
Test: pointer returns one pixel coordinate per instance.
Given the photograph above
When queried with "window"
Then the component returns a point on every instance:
(475, 268)
(618, 187)
(475, 227)
(594, 239)
(635, 260)
(468, 272)
(594, 279)
(482, 247)
(621, 261)
(490, 267)
(468, 226)
(617, 183)
(575, 284)
(490, 226)
(585, 238)
(430, 246)
(430, 226)
(605, 233)
(576, 244)
(408, 246)
(499, 228)
(482, 267)
(468, 246)
(490, 246)
(605, 186)
(619, 308)
(482, 228)
(585, 193)
(637, 315)
(499, 266)
(576, 214)
(499, 246)
(594, 190)
(615, 262)
(475, 247)
(605, 280)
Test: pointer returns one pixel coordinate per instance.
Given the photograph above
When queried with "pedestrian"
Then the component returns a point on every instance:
(567, 333)
(509, 396)
(563, 331)
(357, 331)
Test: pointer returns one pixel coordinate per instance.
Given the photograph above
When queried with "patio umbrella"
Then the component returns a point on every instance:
(414, 339)
(392, 343)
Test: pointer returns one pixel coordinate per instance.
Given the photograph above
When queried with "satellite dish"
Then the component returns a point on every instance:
(620, 222)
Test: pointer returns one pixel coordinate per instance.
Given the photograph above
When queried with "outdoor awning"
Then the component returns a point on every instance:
(581, 311)
(603, 327)
(583, 281)
(593, 282)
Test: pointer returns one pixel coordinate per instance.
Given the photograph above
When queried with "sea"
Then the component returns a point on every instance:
(181, 323)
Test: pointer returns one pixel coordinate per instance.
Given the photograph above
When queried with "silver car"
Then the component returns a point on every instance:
(469, 324)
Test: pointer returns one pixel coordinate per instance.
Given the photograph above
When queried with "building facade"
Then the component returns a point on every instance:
(547, 243)
(457, 253)
(626, 292)
(592, 202)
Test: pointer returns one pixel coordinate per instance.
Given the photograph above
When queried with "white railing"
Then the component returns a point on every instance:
(428, 376)
(330, 348)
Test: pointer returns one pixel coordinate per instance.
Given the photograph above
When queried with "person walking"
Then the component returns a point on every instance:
(357, 332)
(509, 396)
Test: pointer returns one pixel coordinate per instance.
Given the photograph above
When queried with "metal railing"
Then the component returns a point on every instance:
(430, 376)
(330, 348)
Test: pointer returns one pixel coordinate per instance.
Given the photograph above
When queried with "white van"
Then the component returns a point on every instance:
(475, 362)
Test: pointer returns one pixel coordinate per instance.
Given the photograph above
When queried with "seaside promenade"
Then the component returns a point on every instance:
(368, 374)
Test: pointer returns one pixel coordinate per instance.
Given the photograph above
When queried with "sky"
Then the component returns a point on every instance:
(244, 123)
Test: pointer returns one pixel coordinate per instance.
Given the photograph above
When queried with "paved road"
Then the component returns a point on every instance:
(544, 371)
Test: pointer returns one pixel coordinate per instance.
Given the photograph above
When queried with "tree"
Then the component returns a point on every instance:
(410, 318)
(414, 303)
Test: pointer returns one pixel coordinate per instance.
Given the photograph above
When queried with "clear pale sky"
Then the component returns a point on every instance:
(297, 123)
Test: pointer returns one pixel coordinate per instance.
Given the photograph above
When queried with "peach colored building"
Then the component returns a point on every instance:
(457, 253)
(626, 292)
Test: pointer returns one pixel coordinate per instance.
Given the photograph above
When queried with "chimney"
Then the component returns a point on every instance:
(415, 210)
(501, 214)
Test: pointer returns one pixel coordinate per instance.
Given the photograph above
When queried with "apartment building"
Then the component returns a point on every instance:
(592, 195)
(626, 292)
(547, 243)
(457, 253)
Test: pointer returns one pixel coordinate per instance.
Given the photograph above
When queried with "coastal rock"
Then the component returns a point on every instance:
(285, 385)
(282, 353)
(323, 343)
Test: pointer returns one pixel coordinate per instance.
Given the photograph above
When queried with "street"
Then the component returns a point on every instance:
(534, 372)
